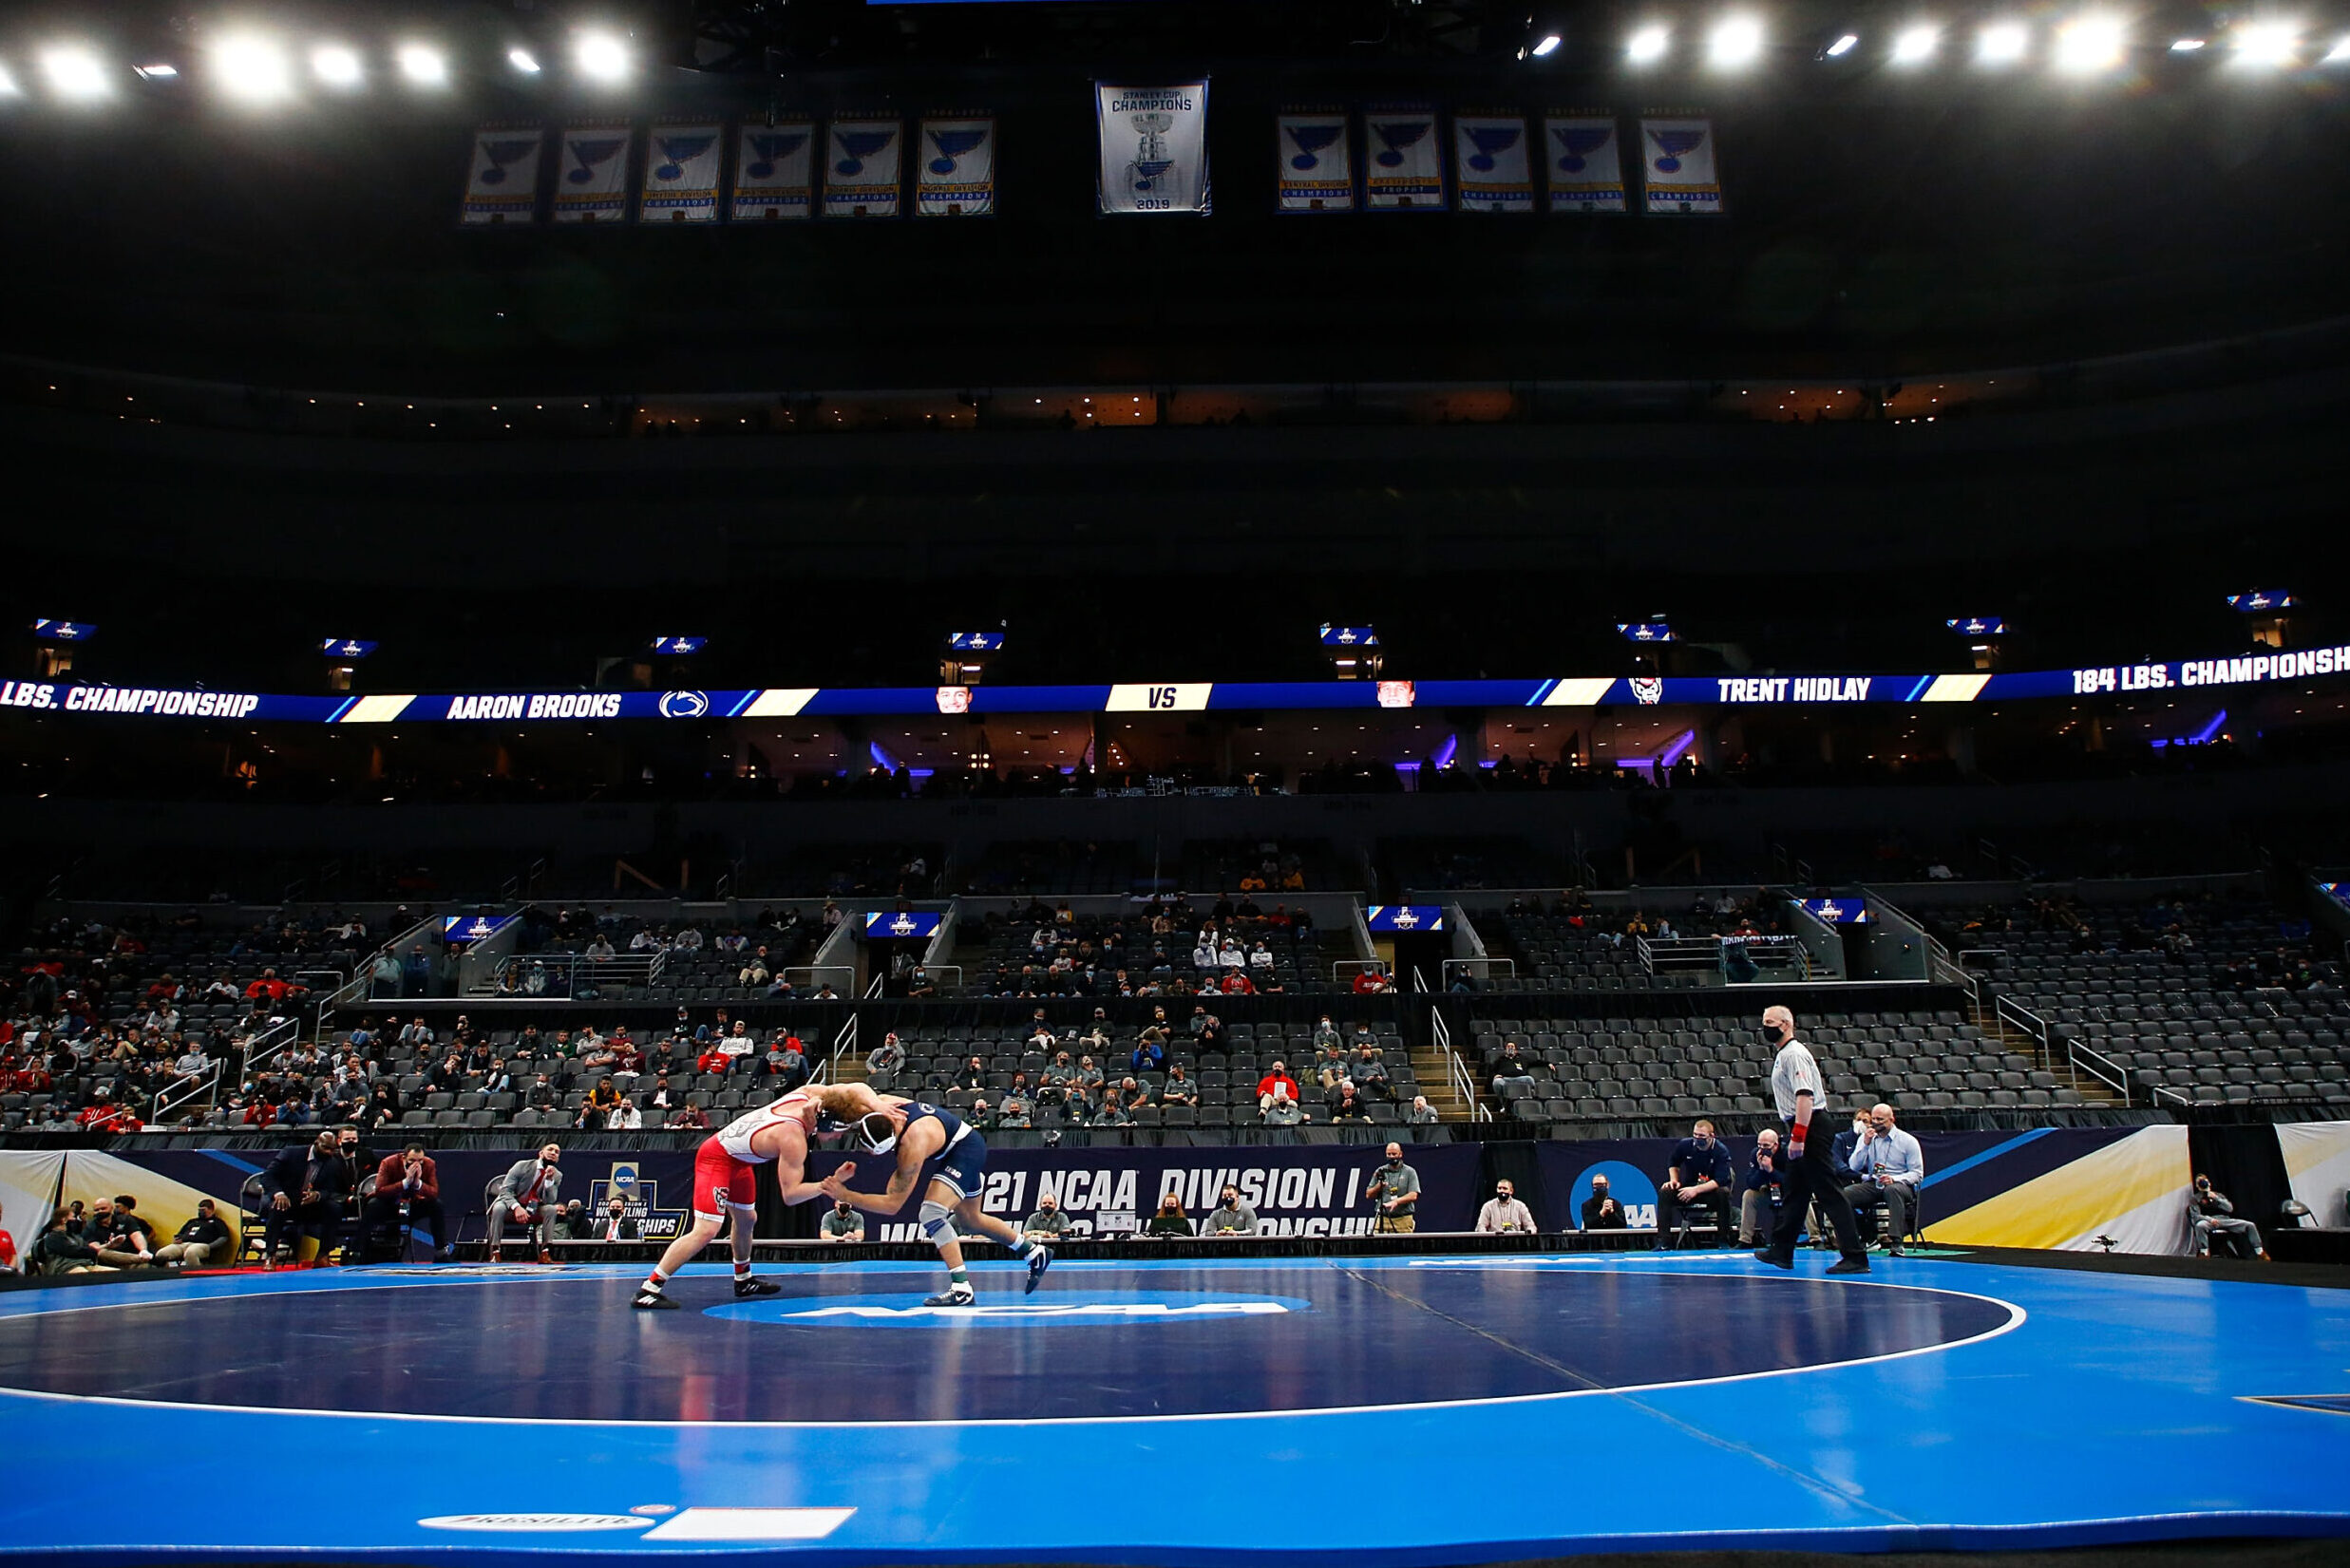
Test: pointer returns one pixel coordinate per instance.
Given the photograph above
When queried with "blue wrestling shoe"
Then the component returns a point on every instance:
(1038, 1261)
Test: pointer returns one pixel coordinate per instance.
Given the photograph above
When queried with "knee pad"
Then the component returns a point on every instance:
(934, 1224)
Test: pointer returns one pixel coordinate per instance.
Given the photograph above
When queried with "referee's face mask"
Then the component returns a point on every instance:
(877, 1131)
(1774, 1033)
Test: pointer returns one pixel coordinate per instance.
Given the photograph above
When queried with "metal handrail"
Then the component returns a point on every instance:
(811, 971)
(2101, 1066)
(1466, 964)
(1360, 966)
(1456, 1070)
(843, 1042)
(205, 1087)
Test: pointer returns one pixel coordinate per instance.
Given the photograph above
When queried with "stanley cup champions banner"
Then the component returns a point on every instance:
(502, 184)
(1316, 168)
(954, 174)
(1584, 167)
(1678, 174)
(1405, 171)
(863, 162)
(774, 175)
(1490, 169)
(593, 184)
(682, 166)
(1154, 148)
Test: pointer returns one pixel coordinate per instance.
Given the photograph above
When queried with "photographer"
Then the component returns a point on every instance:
(1395, 1194)
(2210, 1213)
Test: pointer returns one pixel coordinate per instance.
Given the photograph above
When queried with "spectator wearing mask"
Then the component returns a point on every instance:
(1890, 1167)
(1512, 1074)
(1503, 1215)
(846, 1222)
(1170, 1220)
(1700, 1174)
(615, 1224)
(886, 1062)
(61, 1249)
(1760, 1191)
(123, 1241)
(528, 1195)
(1280, 1111)
(1600, 1210)
(205, 1241)
(1230, 1217)
(1276, 1081)
(1048, 1223)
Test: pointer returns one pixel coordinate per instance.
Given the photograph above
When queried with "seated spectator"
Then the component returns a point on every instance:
(973, 1075)
(1890, 1167)
(2210, 1211)
(1326, 1035)
(1048, 1223)
(123, 1241)
(407, 1190)
(624, 1117)
(1230, 1217)
(615, 1224)
(920, 984)
(1370, 982)
(1112, 1113)
(1014, 1112)
(688, 1116)
(980, 1115)
(527, 1195)
(1422, 1114)
(1701, 1173)
(1135, 1095)
(306, 1191)
(1504, 1213)
(1367, 1065)
(572, 1223)
(713, 1060)
(1149, 1056)
(1212, 1040)
(886, 1062)
(1170, 1219)
(1279, 1110)
(1600, 1210)
(842, 1223)
(1760, 1192)
(1344, 1103)
(1180, 1088)
(1512, 1071)
(61, 1249)
(1088, 1076)
(203, 1242)
(1277, 1080)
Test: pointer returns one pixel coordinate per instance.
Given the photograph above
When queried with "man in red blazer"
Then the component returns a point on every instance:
(410, 1178)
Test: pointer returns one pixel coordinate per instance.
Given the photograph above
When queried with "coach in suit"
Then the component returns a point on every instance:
(530, 1194)
(411, 1178)
(306, 1191)
(616, 1225)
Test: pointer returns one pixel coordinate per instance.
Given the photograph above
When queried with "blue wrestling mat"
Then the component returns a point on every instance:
(1394, 1410)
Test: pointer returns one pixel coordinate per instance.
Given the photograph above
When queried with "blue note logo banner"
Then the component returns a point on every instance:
(593, 185)
(1315, 163)
(863, 166)
(1405, 172)
(956, 174)
(774, 177)
(682, 168)
(1490, 173)
(1678, 165)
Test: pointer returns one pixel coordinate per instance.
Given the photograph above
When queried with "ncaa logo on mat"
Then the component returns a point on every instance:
(534, 1522)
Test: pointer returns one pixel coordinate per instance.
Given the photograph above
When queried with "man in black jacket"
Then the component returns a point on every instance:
(1600, 1210)
(306, 1191)
(203, 1240)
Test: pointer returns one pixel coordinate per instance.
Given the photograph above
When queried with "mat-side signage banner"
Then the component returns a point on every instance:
(2048, 1187)
(1310, 1190)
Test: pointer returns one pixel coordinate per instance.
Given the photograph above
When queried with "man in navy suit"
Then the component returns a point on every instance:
(306, 1191)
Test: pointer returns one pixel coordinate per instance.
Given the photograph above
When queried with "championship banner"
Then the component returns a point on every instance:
(1309, 1190)
(682, 168)
(2316, 1161)
(773, 172)
(1154, 148)
(1406, 167)
(2048, 1188)
(956, 173)
(1583, 163)
(502, 183)
(1677, 173)
(592, 187)
(1316, 169)
(861, 168)
(1489, 170)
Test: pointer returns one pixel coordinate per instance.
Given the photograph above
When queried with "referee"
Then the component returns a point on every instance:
(1796, 1085)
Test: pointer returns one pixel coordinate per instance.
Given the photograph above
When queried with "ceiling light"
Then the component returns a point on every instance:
(1735, 42)
(252, 68)
(156, 72)
(523, 61)
(74, 72)
(1549, 45)
(2003, 42)
(1843, 46)
(2267, 44)
(602, 56)
(1916, 45)
(335, 66)
(2089, 43)
(9, 90)
(1647, 46)
(422, 66)
(2185, 46)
